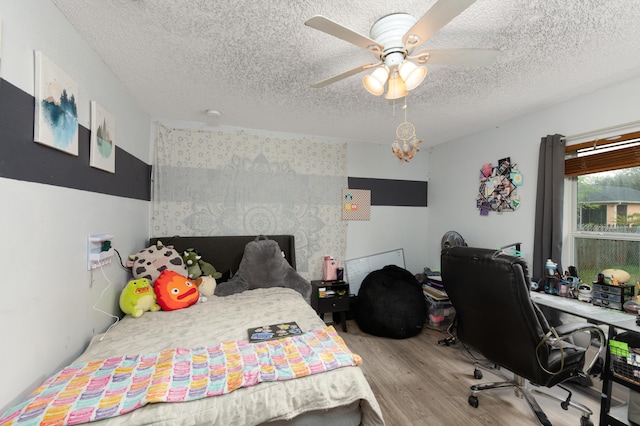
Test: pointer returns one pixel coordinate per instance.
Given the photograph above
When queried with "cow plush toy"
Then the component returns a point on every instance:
(151, 261)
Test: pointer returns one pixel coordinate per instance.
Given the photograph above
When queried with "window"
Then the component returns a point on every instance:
(607, 207)
(595, 214)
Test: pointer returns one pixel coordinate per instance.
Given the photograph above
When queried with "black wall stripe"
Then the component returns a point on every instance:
(389, 192)
(23, 159)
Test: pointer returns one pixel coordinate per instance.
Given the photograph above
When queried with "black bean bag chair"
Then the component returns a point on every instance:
(391, 304)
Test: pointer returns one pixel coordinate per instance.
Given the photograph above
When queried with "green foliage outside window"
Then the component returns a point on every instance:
(606, 239)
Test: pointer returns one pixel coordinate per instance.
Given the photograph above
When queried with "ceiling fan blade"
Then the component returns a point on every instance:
(333, 28)
(344, 75)
(437, 17)
(462, 57)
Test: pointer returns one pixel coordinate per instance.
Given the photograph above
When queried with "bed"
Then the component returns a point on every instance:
(339, 396)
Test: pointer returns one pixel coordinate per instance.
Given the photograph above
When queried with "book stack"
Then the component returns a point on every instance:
(434, 288)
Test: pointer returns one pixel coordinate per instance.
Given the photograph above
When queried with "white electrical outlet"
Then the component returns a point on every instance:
(99, 250)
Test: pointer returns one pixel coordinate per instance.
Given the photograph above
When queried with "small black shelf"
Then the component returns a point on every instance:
(332, 297)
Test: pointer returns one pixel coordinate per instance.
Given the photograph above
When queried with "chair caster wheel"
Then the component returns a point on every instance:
(584, 421)
(477, 374)
(473, 401)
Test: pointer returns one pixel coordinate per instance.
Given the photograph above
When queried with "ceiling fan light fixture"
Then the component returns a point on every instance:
(396, 88)
(412, 74)
(374, 82)
(392, 40)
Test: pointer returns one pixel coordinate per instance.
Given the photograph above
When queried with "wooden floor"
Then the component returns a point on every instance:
(418, 382)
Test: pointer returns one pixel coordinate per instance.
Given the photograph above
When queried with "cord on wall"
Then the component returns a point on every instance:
(95, 306)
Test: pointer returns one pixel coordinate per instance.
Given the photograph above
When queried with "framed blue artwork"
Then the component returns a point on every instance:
(56, 109)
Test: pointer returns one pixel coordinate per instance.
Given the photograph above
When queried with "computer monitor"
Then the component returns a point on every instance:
(357, 269)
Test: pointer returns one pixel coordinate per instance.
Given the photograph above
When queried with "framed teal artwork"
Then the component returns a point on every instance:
(56, 109)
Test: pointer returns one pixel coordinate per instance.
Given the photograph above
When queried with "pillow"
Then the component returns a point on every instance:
(175, 291)
(263, 265)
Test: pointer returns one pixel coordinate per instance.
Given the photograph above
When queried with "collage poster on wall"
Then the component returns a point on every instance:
(498, 191)
(356, 204)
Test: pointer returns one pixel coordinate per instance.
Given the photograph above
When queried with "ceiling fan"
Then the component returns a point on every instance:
(393, 39)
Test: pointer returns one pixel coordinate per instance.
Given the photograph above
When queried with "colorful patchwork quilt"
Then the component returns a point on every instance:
(96, 390)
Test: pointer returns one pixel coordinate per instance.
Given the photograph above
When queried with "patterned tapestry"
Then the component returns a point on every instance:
(233, 182)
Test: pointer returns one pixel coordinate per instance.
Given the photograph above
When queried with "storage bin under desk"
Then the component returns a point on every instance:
(440, 313)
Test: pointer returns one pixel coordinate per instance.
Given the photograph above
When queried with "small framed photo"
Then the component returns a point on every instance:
(102, 153)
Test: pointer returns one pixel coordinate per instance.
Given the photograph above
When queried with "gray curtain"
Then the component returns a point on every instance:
(547, 243)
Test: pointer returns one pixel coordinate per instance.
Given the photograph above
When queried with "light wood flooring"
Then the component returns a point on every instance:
(418, 382)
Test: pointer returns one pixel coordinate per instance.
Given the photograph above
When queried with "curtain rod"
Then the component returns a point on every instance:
(597, 131)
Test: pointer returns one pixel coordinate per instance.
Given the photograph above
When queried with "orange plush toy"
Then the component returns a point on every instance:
(175, 291)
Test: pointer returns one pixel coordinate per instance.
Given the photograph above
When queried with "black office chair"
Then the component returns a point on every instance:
(489, 291)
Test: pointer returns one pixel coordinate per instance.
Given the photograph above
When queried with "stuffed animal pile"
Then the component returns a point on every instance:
(165, 279)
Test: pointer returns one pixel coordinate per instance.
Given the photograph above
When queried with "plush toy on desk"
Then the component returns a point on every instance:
(196, 267)
(151, 261)
(137, 297)
(618, 276)
(175, 291)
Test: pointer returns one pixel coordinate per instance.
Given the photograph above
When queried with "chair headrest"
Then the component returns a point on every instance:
(484, 255)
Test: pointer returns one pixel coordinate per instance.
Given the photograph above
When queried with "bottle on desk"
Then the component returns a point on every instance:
(330, 267)
(551, 267)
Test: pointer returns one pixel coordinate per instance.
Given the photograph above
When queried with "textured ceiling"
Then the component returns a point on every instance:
(255, 61)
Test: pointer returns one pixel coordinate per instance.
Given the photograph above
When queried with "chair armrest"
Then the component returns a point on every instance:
(565, 330)
(568, 329)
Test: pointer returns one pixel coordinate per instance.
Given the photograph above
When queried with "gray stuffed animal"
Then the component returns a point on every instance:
(263, 266)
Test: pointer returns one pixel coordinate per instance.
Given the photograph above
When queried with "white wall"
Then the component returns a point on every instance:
(454, 167)
(390, 227)
(46, 313)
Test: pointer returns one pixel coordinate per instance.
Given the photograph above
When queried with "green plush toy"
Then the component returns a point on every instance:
(208, 270)
(191, 259)
(196, 267)
(137, 297)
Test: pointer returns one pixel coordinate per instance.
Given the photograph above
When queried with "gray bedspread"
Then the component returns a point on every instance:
(223, 319)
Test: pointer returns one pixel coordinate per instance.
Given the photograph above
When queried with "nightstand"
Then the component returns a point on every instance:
(330, 296)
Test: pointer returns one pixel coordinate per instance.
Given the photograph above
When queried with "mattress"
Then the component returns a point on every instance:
(333, 393)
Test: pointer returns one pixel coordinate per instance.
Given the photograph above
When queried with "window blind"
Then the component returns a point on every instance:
(601, 155)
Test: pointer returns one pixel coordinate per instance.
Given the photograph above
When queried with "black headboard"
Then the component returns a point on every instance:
(225, 252)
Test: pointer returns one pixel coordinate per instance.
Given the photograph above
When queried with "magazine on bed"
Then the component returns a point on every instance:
(273, 331)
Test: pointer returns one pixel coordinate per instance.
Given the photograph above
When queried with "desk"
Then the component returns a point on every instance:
(614, 320)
